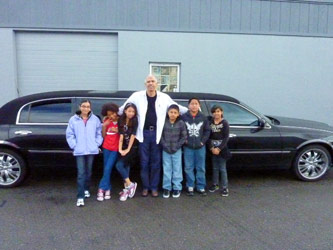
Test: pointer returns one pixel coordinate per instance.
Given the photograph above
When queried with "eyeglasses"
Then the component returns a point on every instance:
(85, 107)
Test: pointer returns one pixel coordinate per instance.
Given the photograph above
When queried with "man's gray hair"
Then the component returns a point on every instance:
(150, 75)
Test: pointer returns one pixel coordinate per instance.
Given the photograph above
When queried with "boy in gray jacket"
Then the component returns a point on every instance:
(173, 137)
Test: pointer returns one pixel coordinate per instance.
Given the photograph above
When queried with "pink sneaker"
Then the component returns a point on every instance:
(107, 195)
(132, 189)
(100, 195)
(124, 195)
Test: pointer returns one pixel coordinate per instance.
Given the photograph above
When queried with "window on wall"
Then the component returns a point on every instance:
(167, 75)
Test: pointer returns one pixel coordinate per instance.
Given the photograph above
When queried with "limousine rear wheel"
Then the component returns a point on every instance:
(12, 168)
(312, 163)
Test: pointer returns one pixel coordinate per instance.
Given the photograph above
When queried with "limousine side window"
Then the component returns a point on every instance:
(236, 115)
(96, 104)
(51, 111)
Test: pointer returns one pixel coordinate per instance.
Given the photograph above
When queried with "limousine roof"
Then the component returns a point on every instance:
(9, 111)
(119, 94)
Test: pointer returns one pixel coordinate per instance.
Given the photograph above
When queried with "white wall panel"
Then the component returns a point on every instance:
(277, 75)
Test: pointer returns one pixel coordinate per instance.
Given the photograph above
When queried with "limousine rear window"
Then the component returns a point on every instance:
(54, 111)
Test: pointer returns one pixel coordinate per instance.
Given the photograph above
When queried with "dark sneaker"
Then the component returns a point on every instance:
(176, 193)
(202, 192)
(166, 193)
(190, 191)
(225, 192)
(213, 188)
(144, 193)
(154, 193)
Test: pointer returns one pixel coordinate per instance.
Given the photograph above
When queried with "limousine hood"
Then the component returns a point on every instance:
(301, 123)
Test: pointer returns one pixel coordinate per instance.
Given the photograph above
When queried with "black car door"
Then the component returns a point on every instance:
(250, 144)
(40, 130)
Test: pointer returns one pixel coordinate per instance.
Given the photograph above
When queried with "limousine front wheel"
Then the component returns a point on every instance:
(312, 162)
(12, 168)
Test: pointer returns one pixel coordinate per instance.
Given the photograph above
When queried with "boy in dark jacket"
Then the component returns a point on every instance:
(173, 137)
(198, 132)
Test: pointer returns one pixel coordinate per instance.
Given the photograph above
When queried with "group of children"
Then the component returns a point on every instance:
(191, 132)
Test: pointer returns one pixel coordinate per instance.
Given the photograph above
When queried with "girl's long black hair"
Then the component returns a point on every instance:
(122, 118)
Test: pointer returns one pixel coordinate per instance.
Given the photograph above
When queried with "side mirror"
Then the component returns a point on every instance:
(261, 123)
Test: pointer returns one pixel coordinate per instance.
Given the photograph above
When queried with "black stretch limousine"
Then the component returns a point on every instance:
(32, 133)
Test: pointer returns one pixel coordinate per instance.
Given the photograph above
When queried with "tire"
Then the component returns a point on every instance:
(13, 168)
(311, 163)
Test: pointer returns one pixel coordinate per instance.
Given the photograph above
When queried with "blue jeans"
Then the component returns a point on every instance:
(219, 166)
(123, 168)
(110, 158)
(172, 170)
(195, 160)
(84, 165)
(150, 160)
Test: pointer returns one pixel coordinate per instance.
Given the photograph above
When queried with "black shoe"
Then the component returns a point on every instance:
(166, 193)
(213, 188)
(225, 192)
(176, 193)
(189, 192)
(202, 192)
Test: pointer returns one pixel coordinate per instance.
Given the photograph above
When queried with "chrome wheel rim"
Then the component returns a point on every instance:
(313, 163)
(10, 169)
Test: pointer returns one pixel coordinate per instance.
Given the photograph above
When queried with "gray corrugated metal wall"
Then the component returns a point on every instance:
(48, 61)
(305, 18)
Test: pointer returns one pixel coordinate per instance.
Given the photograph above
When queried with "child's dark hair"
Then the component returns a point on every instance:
(84, 101)
(216, 107)
(194, 98)
(109, 107)
(175, 107)
(122, 118)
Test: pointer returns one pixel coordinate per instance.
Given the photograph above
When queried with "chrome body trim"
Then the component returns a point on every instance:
(60, 151)
(26, 123)
(260, 152)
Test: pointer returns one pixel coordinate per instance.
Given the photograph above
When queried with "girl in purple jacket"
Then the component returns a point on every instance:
(84, 136)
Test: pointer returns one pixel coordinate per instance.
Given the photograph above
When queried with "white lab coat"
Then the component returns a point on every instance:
(163, 101)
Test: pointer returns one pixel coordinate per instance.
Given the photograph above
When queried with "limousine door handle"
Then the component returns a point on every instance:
(232, 135)
(22, 132)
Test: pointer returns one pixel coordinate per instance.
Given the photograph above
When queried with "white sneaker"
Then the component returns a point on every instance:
(86, 194)
(100, 195)
(80, 202)
(132, 189)
(107, 195)
(124, 194)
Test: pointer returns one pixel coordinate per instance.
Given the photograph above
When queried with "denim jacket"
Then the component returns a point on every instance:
(83, 138)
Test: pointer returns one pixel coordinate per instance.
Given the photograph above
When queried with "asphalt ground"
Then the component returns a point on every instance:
(266, 209)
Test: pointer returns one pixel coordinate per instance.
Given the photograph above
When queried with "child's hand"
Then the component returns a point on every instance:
(124, 152)
(106, 122)
(215, 151)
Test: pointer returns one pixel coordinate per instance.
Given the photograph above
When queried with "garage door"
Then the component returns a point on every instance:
(48, 61)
